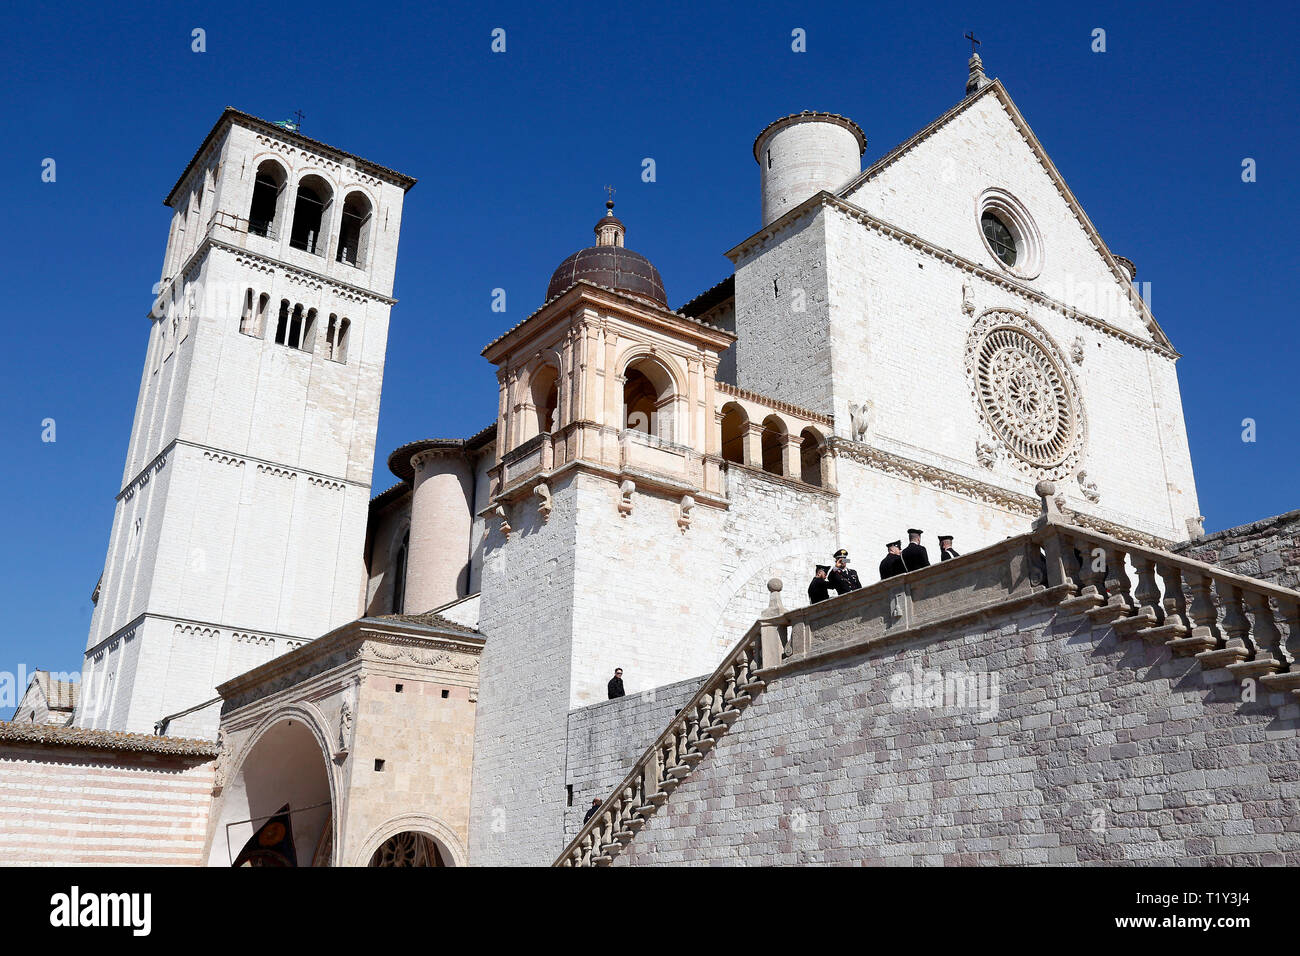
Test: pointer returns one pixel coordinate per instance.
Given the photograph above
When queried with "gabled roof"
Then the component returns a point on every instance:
(996, 89)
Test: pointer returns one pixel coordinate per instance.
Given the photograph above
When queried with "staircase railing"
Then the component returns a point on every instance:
(1193, 608)
(1248, 626)
(690, 735)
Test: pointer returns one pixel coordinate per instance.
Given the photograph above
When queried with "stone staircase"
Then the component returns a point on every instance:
(1249, 627)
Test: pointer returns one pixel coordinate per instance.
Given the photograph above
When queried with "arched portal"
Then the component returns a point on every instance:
(285, 764)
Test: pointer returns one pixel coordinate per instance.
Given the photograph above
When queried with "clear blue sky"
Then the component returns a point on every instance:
(512, 151)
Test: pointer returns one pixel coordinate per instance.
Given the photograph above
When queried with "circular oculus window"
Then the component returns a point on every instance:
(1010, 234)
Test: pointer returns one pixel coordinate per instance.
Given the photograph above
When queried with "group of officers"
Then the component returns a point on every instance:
(898, 561)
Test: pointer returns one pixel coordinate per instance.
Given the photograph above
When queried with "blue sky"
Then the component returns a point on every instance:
(512, 151)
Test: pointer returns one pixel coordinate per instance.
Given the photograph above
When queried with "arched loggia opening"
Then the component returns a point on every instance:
(285, 766)
(545, 389)
(812, 448)
(267, 188)
(354, 231)
(774, 440)
(648, 398)
(310, 215)
(735, 426)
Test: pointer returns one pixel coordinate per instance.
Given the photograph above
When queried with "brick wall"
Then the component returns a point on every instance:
(63, 805)
(1100, 751)
(1267, 549)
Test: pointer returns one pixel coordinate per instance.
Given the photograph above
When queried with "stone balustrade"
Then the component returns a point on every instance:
(1247, 626)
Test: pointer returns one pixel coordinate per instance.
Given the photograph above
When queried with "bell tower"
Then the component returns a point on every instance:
(239, 524)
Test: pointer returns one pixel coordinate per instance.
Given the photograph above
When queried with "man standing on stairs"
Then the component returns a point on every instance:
(946, 551)
(616, 684)
(914, 555)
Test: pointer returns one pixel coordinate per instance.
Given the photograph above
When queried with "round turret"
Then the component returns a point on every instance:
(802, 154)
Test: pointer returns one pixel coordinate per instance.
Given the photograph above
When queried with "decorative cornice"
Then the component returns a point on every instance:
(219, 456)
(943, 480)
(1006, 282)
(776, 404)
(618, 299)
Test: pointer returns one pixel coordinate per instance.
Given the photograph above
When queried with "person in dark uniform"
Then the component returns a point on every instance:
(591, 810)
(616, 684)
(843, 578)
(914, 555)
(946, 552)
(819, 589)
(893, 564)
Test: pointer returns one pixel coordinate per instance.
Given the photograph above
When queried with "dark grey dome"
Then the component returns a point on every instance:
(614, 266)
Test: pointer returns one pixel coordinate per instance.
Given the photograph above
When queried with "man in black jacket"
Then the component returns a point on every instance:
(819, 589)
(893, 565)
(914, 555)
(843, 578)
(595, 805)
(946, 552)
(616, 684)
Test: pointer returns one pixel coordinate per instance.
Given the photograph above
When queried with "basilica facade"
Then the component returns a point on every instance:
(935, 338)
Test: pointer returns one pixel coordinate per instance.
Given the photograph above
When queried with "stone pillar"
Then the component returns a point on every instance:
(792, 460)
(441, 523)
(754, 445)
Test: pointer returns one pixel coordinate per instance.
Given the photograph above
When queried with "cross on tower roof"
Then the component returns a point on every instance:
(970, 35)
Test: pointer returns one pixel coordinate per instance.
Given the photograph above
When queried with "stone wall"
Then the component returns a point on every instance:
(605, 739)
(76, 804)
(1099, 751)
(1267, 549)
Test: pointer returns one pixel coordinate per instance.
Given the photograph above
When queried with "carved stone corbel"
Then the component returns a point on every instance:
(499, 512)
(684, 509)
(625, 491)
(543, 491)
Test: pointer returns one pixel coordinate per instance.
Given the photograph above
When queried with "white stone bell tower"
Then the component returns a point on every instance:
(240, 521)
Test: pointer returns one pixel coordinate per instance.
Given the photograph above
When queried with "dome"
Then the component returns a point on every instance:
(610, 264)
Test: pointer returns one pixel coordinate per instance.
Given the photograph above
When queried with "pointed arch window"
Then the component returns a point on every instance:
(399, 574)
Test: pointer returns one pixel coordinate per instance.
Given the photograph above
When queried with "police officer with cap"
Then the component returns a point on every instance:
(819, 589)
(914, 555)
(843, 578)
(946, 552)
(893, 564)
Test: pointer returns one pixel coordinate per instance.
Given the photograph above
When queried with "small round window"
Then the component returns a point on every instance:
(999, 238)
(1009, 233)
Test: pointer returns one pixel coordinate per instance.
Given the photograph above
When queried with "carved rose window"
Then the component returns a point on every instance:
(1024, 391)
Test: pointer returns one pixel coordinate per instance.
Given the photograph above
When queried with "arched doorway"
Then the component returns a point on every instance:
(407, 848)
(281, 788)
